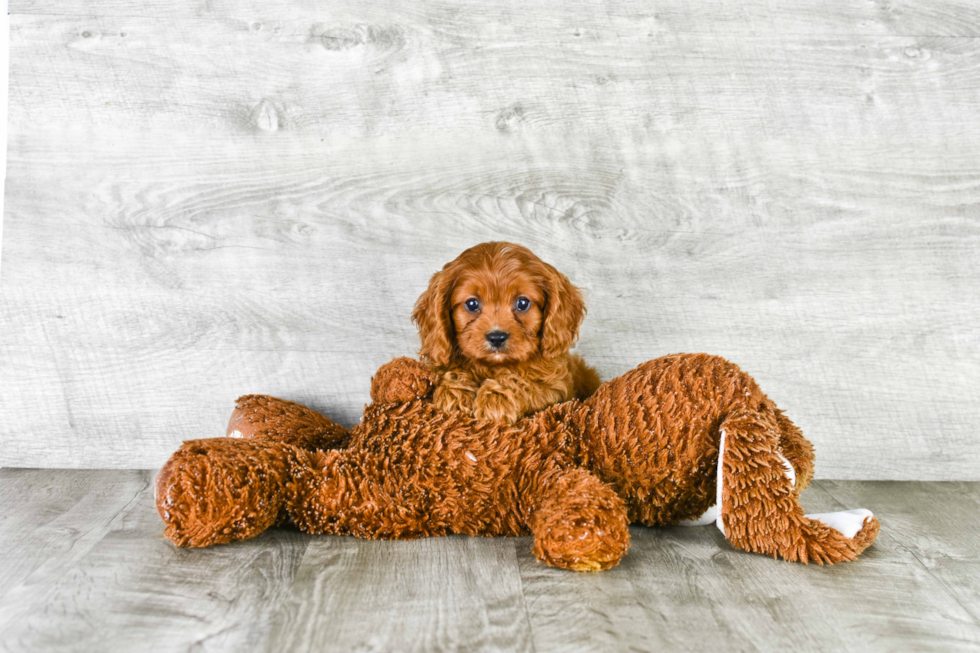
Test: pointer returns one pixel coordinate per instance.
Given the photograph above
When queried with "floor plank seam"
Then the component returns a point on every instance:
(527, 608)
(945, 587)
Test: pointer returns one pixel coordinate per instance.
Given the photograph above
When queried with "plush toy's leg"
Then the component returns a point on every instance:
(578, 522)
(796, 449)
(795, 453)
(220, 490)
(760, 510)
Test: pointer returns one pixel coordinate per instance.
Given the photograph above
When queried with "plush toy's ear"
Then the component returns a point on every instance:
(564, 312)
(431, 316)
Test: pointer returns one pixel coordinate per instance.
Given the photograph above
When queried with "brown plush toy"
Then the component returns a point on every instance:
(688, 438)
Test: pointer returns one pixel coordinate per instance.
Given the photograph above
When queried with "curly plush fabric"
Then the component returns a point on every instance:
(643, 449)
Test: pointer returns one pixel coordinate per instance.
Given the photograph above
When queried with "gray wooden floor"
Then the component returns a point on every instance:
(84, 568)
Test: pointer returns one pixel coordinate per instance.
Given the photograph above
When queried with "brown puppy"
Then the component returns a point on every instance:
(496, 325)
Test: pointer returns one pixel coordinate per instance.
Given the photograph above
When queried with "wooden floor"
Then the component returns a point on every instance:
(84, 568)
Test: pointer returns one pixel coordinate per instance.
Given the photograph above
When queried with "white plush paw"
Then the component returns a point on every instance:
(847, 522)
(709, 517)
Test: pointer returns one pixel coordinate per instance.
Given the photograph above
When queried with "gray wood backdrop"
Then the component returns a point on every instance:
(210, 198)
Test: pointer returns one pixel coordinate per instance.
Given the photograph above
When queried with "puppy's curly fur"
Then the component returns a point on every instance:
(496, 326)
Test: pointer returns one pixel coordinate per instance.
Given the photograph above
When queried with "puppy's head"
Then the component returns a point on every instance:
(497, 303)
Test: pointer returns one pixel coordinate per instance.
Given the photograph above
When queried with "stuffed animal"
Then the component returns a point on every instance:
(688, 438)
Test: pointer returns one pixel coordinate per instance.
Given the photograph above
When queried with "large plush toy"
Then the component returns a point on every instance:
(680, 439)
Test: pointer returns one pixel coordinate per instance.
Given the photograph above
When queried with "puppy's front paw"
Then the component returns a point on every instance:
(492, 404)
(454, 398)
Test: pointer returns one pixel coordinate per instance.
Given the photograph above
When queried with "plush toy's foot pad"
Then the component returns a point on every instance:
(859, 526)
(582, 548)
(847, 522)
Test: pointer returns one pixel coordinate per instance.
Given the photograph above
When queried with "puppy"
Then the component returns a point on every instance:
(496, 325)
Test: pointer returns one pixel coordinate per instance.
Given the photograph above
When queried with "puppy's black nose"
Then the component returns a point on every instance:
(497, 338)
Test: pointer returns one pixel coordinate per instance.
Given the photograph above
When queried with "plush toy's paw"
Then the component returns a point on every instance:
(400, 381)
(858, 528)
(579, 523)
(847, 522)
(584, 544)
(220, 490)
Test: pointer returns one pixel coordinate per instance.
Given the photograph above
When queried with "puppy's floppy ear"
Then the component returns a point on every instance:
(431, 316)
(563, 315)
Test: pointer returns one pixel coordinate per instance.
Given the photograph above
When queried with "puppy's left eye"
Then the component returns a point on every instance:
(523, 303)
(472, 304)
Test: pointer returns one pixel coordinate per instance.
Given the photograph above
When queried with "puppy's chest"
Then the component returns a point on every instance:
(553, 374)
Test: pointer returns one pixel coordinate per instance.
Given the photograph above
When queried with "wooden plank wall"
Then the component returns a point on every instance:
(206, 199)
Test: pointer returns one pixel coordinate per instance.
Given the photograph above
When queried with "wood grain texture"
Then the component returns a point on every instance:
(937, 524)
(684, 587)
(209, 199)
(910, 17)
(131, 589)
(441, 594)
(85, 569)
(368, 73)
(61, 516)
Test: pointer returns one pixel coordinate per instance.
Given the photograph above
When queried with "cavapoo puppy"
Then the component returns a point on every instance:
(496, 325)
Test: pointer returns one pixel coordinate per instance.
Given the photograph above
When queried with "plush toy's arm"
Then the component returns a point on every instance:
(261, 417)
(402, 380)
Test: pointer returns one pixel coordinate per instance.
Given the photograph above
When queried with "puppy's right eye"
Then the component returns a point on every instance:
(472, 304)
